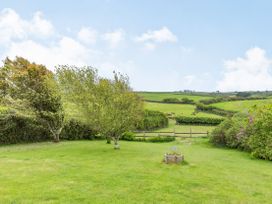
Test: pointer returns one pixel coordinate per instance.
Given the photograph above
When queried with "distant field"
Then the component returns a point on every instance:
(178, 109)
(159, 96)
(240, 105)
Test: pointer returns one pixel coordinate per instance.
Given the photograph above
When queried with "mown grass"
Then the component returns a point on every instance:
(159, 96)
(92, 172)
(178, 109)
(241, 105)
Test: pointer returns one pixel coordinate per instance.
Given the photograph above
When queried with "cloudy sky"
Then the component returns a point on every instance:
(203, 45)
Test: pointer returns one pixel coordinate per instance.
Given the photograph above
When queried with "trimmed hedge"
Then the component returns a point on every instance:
(214, 110)
(130, 136)
(17, 128)
(152, 120)
(198, 120)
(76, 130)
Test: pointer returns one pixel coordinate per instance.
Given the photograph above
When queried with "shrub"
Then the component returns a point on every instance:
(76, 130)
(161, 139)
(16, 128)
(232, 132)
(156, 139)
(260, 141)
(198, 120)
(153, 120)
(128, 136)
(187, 101)
(171, 100)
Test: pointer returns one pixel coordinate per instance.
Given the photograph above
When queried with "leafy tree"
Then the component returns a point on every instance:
(109, 106)
(33, 87)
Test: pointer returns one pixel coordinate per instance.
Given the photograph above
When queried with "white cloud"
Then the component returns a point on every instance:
(65, 51)
(253, 72)
(114, 38)
(153, 37)
(87, 35)
(22, 37)
(12, 26)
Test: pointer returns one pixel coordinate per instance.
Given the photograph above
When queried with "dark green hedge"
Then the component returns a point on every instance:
(17, 128)
(214, 110)
(153, 120)
(198, 120)
(76, 130)
(130, 136)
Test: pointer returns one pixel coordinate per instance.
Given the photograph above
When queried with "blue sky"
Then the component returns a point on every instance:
(161, 45)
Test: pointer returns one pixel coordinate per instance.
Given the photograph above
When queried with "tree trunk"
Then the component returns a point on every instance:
(108, 140)
(116, 144)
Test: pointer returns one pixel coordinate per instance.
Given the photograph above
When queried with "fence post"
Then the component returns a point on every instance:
(207, 133)
(190, 132)
(144, 134)
(174, 133)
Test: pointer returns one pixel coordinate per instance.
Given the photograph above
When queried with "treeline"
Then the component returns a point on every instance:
(251, 132)
(174, 101)
(229, 98)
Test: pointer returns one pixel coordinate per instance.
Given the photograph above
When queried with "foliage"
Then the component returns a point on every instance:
(230, 98)
(32, 87)
(17, 128)
(232, 132)
(260, 140)
(243, 94)
(252, 133)
(198, 120)
(214, 110)
(152, 120)
(110, 106)
(171, 100)
(77, 130)
(128, 136)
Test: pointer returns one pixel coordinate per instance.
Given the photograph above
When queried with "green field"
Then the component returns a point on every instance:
(178, 109)
(159, 96)
(240, 105)
(92, 172)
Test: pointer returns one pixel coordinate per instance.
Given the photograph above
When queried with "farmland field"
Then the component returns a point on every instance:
(159, 96)
(178, 109)
(241, 105)
(92, 172)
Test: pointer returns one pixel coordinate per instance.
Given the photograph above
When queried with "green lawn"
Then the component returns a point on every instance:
(241, 105)
(92, 172)
(159, 96)
(178, 109)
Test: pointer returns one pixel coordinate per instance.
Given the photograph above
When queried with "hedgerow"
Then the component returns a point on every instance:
(214, 110)
(152, 120)
(198, 120)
